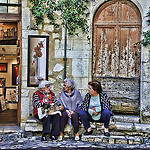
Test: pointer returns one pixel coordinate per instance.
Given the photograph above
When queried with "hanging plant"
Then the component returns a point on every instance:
(146, 40)
(73, 14)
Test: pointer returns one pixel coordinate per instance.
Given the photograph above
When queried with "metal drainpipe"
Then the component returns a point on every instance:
(65, 52)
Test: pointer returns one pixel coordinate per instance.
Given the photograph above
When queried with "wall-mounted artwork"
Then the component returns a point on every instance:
(2, 82)
(37, 59)
(8, 33)
(10, 94)
(14, 73)
(3, 67)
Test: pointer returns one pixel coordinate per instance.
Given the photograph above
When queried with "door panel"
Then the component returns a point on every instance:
(116, 59)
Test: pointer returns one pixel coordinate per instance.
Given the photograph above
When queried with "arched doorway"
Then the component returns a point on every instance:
(116, 59)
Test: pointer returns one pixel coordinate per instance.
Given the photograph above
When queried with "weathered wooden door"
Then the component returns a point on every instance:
(116, 59)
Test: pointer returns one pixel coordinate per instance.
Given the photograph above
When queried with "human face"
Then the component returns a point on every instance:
(66, 88)
(47, 89)
(91, 91)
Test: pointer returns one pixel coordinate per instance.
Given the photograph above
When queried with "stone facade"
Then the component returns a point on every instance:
(79, 58)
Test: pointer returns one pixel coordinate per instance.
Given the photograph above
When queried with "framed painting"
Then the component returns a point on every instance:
(3, 67)
(10, 94)
(14, 74)
(2, 82)
(38, 50)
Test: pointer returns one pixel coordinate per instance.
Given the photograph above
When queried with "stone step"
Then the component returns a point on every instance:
(115, 128)
(9, 129)
(129, 119)
(33, 125)
(114, 139)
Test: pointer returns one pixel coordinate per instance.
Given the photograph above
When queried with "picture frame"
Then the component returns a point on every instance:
(10, 94)
(14, 73)
(38, 50)
(2, 82)
(3, 67)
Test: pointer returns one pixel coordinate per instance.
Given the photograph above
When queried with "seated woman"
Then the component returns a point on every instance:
(71, 100)
(44, 97)
(96, 107)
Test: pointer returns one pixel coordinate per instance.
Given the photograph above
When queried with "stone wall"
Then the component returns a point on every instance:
(79, 58)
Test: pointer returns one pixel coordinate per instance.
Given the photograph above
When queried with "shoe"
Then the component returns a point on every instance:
(53, 137)
(43, 138)
(77, 138)
(88, 133)
(106, 133)
(60, 138)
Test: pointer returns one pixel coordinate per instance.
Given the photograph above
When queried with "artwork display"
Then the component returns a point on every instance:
(8, 33)
(3, 67)
(2, 82)
(10, 94)
(14, 73)
(3, 103)
(37, 59)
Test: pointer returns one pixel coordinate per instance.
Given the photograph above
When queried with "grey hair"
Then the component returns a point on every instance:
(43, 83)
(70, 82)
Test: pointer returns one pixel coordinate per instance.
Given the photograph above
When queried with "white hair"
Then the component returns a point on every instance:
(43, 83)
(70, 82)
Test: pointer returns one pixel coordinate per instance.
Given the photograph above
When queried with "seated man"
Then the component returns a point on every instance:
(95, 108)
(41, 98)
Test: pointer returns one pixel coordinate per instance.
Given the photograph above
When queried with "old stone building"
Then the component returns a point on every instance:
(111, 56)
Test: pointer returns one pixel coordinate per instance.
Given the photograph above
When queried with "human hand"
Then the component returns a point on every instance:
(93, 108)
(95, 113)
(61, 108)
(72, 112)
(68, 113)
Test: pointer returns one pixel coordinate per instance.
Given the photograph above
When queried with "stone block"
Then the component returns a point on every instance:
(55, 35)
(25, 47)
(105, 140)
(124, 126)
(48, 28)
(78, 54)
(59, 53)
(25, 18)
(142, 127)
(98, 139)
(80, 67)
(124, 118)
(111, 141)
(120, 141)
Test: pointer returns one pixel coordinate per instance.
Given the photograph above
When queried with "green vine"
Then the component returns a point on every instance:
(146, 40)
(73, 14)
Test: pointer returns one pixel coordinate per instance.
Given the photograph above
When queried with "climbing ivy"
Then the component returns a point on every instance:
(72, 13)
(146, 40)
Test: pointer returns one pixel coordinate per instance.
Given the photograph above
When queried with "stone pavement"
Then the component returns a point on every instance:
(19, 140)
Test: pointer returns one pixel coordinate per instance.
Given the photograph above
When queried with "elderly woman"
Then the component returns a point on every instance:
(44, 97)
(96, 107)
(71, 100)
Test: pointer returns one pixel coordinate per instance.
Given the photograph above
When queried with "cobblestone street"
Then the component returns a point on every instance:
(17, 141)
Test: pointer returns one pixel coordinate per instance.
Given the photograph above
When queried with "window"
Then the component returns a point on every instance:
(9, 6)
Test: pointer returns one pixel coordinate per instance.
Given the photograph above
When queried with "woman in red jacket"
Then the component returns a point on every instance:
(42, 97)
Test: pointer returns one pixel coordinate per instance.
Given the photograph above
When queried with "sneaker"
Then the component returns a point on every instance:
(106, 133)
(43, 138)
(88, 133)
(77, 138)
(53, 137)
(60, 138)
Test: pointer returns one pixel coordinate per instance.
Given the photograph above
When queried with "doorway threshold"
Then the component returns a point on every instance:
(9, 129)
